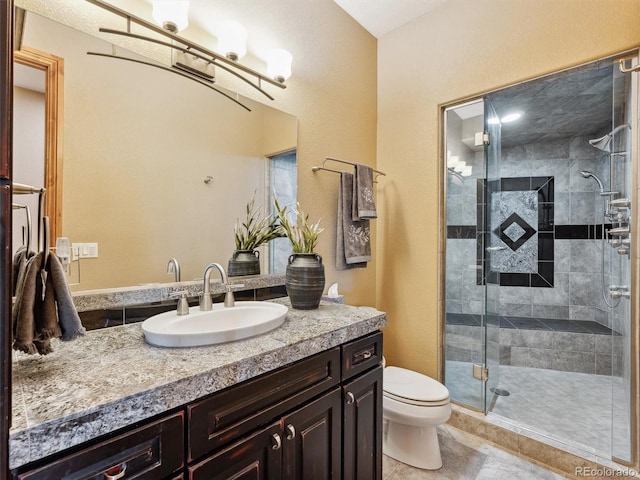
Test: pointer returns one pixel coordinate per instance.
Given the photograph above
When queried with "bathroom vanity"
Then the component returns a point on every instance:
(302, 401)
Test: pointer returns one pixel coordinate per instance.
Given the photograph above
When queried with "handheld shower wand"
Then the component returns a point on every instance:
(587, 174)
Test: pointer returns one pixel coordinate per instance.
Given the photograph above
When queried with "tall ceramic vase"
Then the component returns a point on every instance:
(244, 262)
(305, 280)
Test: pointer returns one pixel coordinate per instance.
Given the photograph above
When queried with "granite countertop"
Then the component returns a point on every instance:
(111, 378)
(118, 297)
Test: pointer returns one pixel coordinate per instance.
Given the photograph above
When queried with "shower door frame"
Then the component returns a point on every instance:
(635, 234)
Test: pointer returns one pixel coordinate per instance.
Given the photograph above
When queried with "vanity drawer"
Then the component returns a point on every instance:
(150, 452)
(361, 354)
(231, 413)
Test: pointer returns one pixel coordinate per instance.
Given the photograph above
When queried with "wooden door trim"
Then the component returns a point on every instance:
(53, 68)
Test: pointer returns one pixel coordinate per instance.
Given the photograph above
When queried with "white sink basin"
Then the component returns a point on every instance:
(219, 325)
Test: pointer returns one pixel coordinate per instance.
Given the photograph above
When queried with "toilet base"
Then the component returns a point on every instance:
(415, 446)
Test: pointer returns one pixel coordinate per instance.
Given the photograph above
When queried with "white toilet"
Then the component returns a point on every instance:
(413, 405)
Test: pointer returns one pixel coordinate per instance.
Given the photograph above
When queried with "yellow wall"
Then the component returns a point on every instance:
(463, 48)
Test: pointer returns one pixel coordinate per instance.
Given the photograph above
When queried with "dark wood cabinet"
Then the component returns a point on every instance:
(255, 457)
(361, 427)
(312, 439)
(319, 418)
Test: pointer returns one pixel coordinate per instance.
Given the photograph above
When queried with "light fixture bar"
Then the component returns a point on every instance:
(172, 70)
(190, 52)
(223, 61)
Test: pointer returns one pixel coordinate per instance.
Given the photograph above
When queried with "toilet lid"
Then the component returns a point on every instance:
(410, 385)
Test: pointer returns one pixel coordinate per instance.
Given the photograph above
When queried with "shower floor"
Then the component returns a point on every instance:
(572, 408)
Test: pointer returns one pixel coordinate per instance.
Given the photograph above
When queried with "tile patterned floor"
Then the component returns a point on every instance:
(466, 457)
(574, 409)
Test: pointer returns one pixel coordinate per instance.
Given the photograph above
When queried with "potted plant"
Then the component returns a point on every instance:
(305, 272)
(250, 234)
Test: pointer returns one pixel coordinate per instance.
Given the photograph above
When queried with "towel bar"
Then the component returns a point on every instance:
(322, 167)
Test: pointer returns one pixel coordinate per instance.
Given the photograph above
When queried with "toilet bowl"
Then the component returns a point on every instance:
(413, 405)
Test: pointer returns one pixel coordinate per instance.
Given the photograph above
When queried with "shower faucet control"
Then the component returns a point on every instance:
(620, 203)
(619, 291)
(619, 231)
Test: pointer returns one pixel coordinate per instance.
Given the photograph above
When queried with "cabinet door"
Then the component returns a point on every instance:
(312, 445)
(256, 457)
(362, 427)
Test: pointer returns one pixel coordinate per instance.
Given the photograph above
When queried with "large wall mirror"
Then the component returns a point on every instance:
(153, 166)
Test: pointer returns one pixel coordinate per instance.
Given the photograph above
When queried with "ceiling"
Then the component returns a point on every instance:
(577, 102)
(380, 17)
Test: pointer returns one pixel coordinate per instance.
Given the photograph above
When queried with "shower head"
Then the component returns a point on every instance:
(587, 174)
(604, 143)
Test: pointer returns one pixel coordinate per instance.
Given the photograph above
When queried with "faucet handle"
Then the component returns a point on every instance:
(183, 304)
(234, 286)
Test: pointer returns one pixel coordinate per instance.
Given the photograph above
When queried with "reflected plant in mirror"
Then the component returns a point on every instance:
(256, 230)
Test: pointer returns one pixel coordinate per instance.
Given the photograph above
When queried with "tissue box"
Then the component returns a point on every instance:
(338, 299)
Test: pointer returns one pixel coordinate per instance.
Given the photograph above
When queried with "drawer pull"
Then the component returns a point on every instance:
(116, 472)
(367, 354)
(291, 432)
(277, 443)
(350, 398)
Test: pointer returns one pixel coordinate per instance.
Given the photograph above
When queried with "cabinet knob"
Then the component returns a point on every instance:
(291, 432)
(350, 398)
(277, 442)
(115, 472)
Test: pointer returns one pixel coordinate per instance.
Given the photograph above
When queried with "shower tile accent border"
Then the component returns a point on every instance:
(544, 451)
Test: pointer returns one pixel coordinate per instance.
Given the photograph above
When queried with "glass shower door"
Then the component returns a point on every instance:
(464, 287)
(493, 245)
(472, 322)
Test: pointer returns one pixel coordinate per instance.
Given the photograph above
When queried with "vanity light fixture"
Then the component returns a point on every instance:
(194, 61)
(458, 168)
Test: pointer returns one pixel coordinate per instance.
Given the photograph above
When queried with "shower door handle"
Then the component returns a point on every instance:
(495, 249)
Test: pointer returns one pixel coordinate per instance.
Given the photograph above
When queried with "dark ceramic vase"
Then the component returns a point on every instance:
(305, 280)
(244, 262)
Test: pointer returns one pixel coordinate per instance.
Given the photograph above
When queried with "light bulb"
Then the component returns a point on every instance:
(232, 40)
(460, 166)
(279, 64)
(172, 15)
(452, 161)
(511, 117)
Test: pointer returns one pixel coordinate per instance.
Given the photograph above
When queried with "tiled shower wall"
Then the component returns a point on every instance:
(577, 207)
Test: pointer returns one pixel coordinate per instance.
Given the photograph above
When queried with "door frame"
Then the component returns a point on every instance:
(53, 68)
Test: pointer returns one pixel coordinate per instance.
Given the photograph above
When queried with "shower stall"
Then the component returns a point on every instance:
(539, 194)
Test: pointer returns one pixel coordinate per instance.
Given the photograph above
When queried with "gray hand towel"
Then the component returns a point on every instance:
(353, 246)
(36, 317)
(68, 317)
(20, 265)
(364, 206)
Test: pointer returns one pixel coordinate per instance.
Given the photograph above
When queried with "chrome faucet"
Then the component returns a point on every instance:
(205, 300)
(174, 267)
